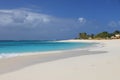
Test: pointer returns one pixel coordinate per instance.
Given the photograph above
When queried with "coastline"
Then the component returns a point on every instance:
(15, 54)
(100, 63)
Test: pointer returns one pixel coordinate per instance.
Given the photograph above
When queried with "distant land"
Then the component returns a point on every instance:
(101, 35)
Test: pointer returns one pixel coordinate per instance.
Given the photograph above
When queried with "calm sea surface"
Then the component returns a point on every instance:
(15, 47)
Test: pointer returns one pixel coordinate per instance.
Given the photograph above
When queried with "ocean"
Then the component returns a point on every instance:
(12, 48)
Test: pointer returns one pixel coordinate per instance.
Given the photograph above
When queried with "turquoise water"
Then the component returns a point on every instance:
(10, 47)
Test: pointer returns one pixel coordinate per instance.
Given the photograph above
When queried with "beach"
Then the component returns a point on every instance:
(100, 62)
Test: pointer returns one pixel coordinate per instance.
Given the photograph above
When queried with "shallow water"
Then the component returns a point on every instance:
(15, 47)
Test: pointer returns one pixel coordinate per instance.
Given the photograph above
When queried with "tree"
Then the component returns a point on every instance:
(92, 36)
(116, 32)
(83, 35)
(103, 35)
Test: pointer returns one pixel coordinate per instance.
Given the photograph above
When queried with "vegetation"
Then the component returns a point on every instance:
(83, 35)
(102, 35)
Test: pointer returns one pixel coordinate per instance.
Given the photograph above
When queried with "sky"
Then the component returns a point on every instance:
(56, 19)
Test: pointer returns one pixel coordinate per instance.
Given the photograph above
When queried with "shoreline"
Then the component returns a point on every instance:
(93, 64)
(25, 60)
(12, 55)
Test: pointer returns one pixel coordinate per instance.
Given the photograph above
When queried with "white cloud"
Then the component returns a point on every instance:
(119, 23)
(82, 20)
(113, 24)
(5, 19)
(28, 24)
(20, 17)
(27, 18)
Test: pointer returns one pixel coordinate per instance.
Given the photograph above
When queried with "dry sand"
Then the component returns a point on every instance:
(102, 64)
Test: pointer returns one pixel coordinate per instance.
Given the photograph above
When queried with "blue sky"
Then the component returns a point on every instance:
(57, 19)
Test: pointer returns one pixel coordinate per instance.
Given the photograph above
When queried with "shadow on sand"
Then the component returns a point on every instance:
(19, 62)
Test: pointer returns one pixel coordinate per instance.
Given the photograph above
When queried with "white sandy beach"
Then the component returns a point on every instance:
(103, 66)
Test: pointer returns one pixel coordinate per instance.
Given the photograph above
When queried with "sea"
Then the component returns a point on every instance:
(9, 48)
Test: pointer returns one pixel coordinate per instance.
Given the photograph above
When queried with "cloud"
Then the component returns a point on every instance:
(27, 24)
(119, 23)
(21, 17)
(114, 24)
(82, 20)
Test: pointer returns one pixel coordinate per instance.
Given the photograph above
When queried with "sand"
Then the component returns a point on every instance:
(96, 63)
